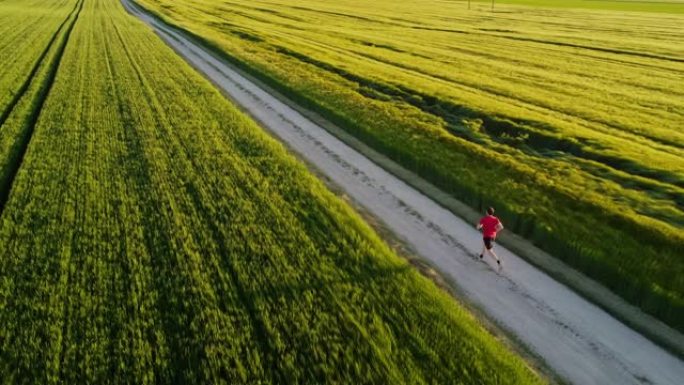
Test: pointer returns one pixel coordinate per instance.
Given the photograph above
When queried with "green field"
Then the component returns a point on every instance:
(39, 27)
(567, 120)
(664, 6)
(154, 234)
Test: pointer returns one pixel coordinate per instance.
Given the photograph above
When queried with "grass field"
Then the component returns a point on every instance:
(40, 28)
(154, 234)
(31, 24)
(567, 120)
(663, 6)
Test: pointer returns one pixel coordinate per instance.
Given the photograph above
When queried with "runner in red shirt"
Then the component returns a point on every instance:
(490, 225)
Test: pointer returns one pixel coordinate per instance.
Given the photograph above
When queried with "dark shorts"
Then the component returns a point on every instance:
(489, 242)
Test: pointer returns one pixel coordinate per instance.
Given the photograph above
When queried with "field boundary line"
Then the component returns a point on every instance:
(41, 96)
(657, 331)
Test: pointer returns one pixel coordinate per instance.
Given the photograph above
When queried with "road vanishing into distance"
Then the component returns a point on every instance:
(578, 341)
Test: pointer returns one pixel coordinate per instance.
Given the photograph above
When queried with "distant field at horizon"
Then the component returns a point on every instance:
(661, 6)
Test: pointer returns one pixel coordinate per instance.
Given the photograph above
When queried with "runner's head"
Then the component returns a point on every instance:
(490, 211)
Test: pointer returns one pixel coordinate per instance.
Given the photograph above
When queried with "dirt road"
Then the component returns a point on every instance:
(579, 341)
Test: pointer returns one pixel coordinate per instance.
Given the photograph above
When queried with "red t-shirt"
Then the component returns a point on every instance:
(489, 226)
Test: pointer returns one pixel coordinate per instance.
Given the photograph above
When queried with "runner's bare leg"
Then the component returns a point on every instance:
(493, 254)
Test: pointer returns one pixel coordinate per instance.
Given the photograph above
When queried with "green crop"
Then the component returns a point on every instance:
(567, 121)
(664, 6)
(30, 25)
(41, 29)
(154, 234)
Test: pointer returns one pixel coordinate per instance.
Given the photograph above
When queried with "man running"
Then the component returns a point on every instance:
(490, 225)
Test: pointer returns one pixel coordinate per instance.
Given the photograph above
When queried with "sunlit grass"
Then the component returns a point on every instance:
(568, 120)
(154, 234)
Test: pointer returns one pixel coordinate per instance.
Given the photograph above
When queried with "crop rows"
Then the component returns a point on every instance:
(562, 119)
(154, 234)
(28, 24)
(28, 74)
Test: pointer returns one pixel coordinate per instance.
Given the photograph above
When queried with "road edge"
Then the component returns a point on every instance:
(647, 325)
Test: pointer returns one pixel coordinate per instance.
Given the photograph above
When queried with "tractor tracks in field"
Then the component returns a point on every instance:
(24, 87)
(34, 92)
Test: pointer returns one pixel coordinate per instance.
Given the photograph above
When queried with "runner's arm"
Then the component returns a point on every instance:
(499, 226)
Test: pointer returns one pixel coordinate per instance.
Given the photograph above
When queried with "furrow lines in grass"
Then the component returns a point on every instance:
(595, 48)
(669, 145)
(27, 124)
(537, 142)
(182, 156)
(30, 77)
